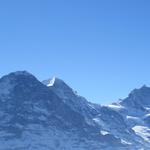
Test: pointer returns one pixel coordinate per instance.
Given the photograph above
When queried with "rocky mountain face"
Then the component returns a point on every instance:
(49, 115)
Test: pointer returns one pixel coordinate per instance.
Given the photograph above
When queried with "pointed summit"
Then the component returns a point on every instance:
(142, 90)
(49, 82)
(56, 83)
(138, 98)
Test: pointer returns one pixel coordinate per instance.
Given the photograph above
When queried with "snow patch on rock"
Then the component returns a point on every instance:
(143, 132)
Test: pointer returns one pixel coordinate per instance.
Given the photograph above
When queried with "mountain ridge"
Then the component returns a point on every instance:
(32, 110)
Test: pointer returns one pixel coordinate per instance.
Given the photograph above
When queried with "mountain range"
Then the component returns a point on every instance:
(50, 115)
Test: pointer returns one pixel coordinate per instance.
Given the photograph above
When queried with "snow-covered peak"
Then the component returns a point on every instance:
(27, 105)
(56, 82)
(50, 82)
(59, 87)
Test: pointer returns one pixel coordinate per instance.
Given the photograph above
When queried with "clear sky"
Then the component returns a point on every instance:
(101, 48)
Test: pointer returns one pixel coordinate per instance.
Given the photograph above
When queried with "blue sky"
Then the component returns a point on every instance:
(100, 48)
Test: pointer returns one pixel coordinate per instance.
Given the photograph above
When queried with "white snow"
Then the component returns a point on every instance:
(115, 107)
(132, 117)
(91, 105)
(103, 132)
(147, 115)
(147, 108)
(125, 142)
(132, 121)
(51, 82)
(98, 121)
(143, 132)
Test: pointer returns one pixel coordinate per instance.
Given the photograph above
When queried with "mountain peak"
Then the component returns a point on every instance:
(140, 90)
(26, 73)
(17, 78)
(49, 82)
(145, 87)
(138, 98)
(59, 86)
(30, 109)
(54, 81)
(17, 74)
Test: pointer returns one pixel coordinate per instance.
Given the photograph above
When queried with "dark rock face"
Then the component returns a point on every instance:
(29, 100)
(51, 116)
